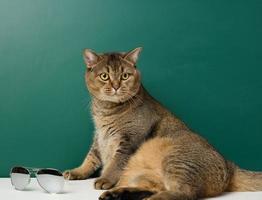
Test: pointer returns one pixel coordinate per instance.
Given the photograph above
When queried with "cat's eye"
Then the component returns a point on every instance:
(125, 76)
(104, 76)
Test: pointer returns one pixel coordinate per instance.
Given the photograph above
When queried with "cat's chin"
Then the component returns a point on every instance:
(120, 99)
(114, 99)
(117, 100)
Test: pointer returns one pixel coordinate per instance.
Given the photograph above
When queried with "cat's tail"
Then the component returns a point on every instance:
(244, 180)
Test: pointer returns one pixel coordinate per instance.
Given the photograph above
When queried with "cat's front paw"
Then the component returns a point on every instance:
(74, 174)
(103, 183)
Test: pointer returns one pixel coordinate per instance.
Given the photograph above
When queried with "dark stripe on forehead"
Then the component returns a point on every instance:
(113, 61)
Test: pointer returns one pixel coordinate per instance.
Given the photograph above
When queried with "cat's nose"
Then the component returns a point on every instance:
(115, 86)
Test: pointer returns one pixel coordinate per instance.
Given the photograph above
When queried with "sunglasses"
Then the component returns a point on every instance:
(51, 180)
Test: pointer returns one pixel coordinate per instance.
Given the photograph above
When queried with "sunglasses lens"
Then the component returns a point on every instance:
(51, 180)
(20, 177)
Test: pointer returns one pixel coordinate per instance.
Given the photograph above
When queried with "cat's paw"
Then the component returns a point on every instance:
(103, 184)
(123, 193)
(111, 194)
(74, 174)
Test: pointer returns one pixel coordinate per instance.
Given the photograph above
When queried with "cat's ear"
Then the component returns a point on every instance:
(90, 58)
(132, 56)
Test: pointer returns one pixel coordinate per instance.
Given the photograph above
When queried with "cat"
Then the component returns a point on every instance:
(145, 150)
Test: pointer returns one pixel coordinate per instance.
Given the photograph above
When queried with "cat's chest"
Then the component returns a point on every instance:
(108, 137)
(107, 145)
(111, 129)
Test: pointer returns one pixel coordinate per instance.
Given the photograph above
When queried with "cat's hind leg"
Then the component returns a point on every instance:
(177, 188)
(181, 181)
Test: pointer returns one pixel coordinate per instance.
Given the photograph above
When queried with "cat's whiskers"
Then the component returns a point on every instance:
(130, 106)
(139, 98)
(136, 103)
(129, 100)
(87, 103)
(133, 103)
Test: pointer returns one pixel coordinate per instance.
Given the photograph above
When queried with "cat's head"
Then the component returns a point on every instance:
(112, 77)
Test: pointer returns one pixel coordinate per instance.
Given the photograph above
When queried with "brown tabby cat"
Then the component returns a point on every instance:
(145, 151)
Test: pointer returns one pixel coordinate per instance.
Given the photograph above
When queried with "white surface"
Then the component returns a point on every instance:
(78, 190)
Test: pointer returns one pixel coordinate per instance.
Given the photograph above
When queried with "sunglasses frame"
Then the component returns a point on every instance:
(34, 171)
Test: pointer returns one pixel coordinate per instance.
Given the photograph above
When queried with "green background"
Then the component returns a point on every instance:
(202, 59)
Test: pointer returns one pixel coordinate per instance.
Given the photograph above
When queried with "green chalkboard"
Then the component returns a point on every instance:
(201, 59)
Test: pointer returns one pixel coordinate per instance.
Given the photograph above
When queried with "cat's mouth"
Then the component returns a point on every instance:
(117, 92)
(117, 97)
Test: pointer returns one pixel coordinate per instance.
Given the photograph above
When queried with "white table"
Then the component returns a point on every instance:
(78, 190)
